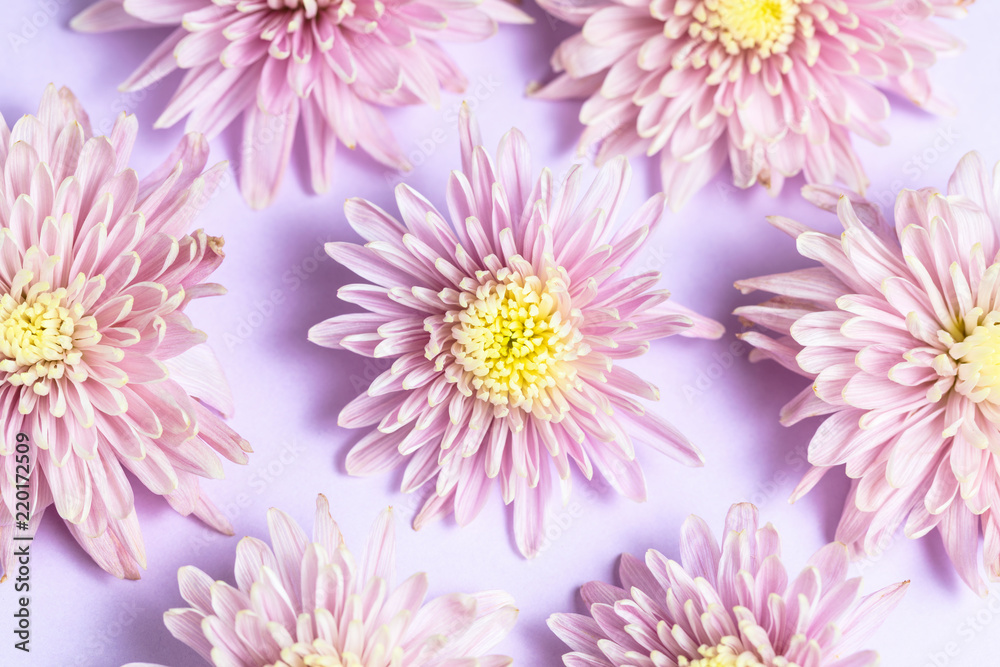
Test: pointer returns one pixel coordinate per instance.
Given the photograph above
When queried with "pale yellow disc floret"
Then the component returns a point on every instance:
(321, 653)
(42, 337)
(515, 338)
(764, 26)
(721, 656)
(978, 357)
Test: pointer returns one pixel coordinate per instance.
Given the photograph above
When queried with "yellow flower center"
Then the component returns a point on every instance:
(766, 26)
(344, 660)
(41, 337)
(720, 656)
(515, 337)
(978, 357)
(322, 654)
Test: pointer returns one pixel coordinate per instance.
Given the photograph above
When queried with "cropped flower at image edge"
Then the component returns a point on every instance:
(772, 88)
(307, 603)
(327, 64)
(729, 606)
(898, 330)
(99, 366)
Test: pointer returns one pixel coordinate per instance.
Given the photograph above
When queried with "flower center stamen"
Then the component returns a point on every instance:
(720, 656)
(767, 26)
(514, 337)
(40, 337)
(322, 654)
(978, 357)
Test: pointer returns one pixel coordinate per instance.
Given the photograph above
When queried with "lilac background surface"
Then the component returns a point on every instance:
(288, 391)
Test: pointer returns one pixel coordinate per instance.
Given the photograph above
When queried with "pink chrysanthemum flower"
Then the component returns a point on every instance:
(306, 603)
(330, 63)
(728, 607)
(100, 368)
(505, 327)
(899, 331)
(774, 87)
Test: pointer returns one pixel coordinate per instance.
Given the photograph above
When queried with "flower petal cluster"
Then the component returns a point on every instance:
(733, 605)
(773, 87)
(325, 65)
(505, 327)
(101, 371)
(897, 329)
(302, 602)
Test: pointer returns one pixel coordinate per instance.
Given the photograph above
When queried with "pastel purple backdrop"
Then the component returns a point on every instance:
(288, 391)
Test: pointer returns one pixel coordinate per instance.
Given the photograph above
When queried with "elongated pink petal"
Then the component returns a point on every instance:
(731, 606)
(114, 377)
(894, 330)
(336, 64)
(689, 82)
(464, 406)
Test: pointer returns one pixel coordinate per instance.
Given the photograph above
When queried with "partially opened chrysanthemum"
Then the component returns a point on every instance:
(309, 603)
(100, 369)
(505, 327)
(728, 606)
(329, 64)
(772, 87)
(899, 332)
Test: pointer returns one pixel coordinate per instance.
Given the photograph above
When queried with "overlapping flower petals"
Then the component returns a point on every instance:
(733, 605)
(327, 65)
(100, 368)
(480, 390)
(896, 331)
(302, 602)
(774, 93)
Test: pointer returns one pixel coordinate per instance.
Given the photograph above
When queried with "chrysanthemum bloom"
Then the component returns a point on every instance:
(302, 602)
(100, 368)
(774, 87)
(330, 63)
(504, 327)
(728, 607)
(899, 331)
